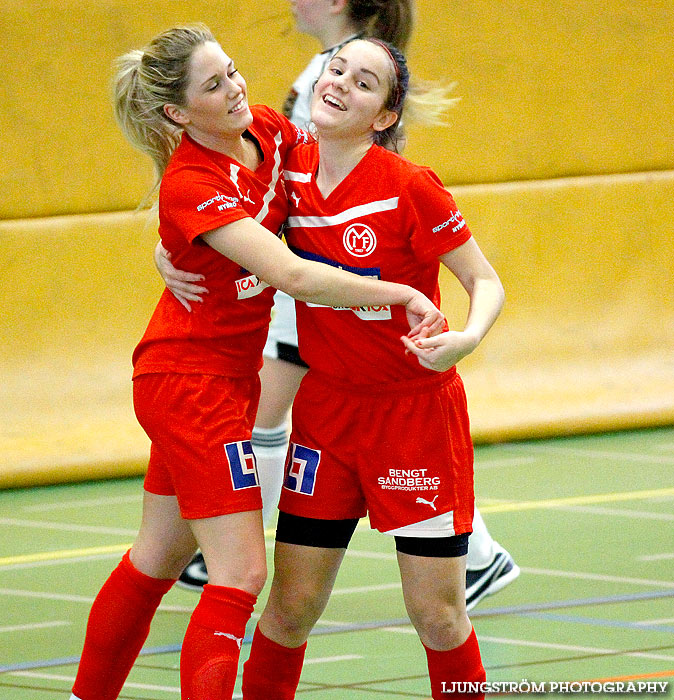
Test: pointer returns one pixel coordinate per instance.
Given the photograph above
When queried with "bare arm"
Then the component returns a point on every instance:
(262, 253)
(485, 291)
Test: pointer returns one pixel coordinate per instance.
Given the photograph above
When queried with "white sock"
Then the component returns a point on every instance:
(481, 546)
(270, 446)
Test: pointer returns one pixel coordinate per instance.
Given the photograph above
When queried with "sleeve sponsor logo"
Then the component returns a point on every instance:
(456, 219)
(225, 202)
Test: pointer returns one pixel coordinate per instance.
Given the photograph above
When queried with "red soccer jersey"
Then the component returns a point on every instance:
(202, 190)
(389, 219)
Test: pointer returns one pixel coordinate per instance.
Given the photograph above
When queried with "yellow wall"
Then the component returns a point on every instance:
(548, 89)
(560, 155)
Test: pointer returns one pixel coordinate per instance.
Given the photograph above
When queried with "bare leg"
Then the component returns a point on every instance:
(303, 580)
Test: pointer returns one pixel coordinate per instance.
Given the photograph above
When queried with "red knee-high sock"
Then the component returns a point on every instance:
(460, 664)
(272, 671)
(212, 644)
(119, 623)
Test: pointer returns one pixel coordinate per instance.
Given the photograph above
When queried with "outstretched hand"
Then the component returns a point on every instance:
(183, 285)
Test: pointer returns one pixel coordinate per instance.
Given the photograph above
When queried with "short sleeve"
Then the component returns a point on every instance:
(438, 224)
(194, 201)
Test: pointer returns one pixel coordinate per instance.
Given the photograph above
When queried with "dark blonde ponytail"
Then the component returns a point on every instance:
(389, 20)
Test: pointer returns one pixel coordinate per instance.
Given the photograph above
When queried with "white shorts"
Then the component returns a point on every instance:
(283, 326)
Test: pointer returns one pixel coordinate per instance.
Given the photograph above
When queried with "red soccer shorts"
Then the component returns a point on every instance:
(200, 427)
(401, 452)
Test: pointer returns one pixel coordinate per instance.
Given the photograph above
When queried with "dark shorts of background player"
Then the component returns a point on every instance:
(336, 534)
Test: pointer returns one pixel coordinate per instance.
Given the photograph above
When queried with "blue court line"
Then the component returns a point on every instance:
(578, 602)
(532, 610)
(598, 622)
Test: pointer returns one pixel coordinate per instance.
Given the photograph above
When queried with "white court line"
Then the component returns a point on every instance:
(35, 626)
(68, 527)
(605, 454)
(71, 679)
(360, 554)
(367, 589)
(84, 503)
(637, 514)
(70, 598)
(596, 577)
(529, 570)
(332, 659)
(656, 557)
(571, 647)
(661, 621)
(504, 462)
(665, 447)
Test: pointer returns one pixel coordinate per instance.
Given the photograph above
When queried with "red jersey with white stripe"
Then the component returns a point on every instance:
(203, 190)
(389, 219)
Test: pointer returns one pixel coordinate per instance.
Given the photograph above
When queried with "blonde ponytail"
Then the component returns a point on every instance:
(146, 80)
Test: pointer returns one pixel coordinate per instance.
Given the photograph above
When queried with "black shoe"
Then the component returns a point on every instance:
(194, 575)
(491, 579)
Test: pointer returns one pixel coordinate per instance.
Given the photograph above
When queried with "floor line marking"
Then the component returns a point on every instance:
(504, 462)
(86, 503)
(332, 659)
(656, 557)
(639, 676)
(71, 679)
(617, 512)
(517, 506)
(72, 598)
(47, 556)
(605, 454)
(68, 527)
(598, 622)
(35, 626)
(394, 625)
(58, 562)
(596, 577)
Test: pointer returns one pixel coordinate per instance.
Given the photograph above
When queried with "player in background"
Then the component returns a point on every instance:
(221, 204)
(332, 22)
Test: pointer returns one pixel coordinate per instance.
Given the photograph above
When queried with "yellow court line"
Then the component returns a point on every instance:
(64, 554)
(576, 500)
(495, 508)
(69, 553)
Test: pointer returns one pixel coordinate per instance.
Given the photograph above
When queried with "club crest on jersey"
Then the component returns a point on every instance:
(251, 286)
(359, 240)
(242, 465)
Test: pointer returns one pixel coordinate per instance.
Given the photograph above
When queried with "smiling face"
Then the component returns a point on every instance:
(350, 95)
(216, 105)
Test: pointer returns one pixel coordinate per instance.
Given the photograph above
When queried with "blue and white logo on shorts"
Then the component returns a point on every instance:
(242, 465)
(301, 469)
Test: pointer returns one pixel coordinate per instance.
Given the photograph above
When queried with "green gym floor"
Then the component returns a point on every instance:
(590, 521)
